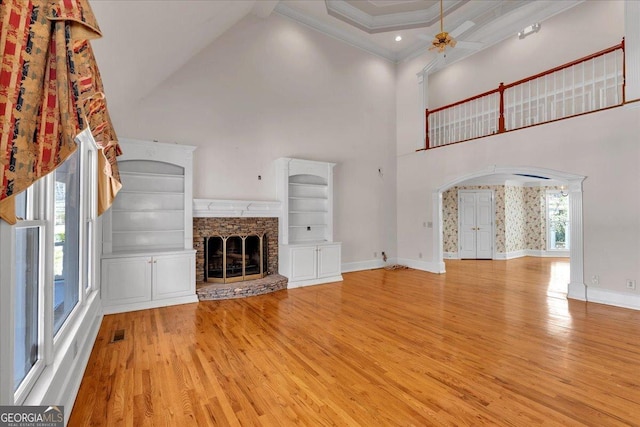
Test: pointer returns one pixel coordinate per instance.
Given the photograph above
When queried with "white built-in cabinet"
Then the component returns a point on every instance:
(148, 257)
(307, 253)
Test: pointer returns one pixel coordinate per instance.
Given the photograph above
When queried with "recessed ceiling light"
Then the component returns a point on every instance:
(398, 38)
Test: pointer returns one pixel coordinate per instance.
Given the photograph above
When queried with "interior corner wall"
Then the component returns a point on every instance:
(270, 88)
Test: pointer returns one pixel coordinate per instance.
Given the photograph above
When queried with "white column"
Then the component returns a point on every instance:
(577, 288)
(632, 49)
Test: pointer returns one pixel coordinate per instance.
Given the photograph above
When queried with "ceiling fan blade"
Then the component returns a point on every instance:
(470, 45)
(466, 25)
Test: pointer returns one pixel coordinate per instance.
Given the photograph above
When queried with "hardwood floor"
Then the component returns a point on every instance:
(487, 343)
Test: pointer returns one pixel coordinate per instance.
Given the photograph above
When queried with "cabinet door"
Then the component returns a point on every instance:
(173, 275)
(328, 261)
(126, 280)
(303, 263)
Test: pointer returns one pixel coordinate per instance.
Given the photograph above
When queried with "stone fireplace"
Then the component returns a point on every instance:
(231, 249)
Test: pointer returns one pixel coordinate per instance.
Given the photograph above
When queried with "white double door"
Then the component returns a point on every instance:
(475, 224)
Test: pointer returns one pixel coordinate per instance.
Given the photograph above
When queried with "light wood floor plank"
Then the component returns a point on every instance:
(488, 343)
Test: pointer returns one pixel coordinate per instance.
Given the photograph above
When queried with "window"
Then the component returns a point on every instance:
(27, 303)
(66, 231)
(557, 221)
(49, 273)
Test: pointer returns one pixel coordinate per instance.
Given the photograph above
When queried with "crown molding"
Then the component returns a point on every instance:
(389, 22)
(520, 14)
(344, 36)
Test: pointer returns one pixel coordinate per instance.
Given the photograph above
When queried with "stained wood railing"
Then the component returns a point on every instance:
(588, 84)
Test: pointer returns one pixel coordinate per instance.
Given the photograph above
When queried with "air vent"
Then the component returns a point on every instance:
(118, 335)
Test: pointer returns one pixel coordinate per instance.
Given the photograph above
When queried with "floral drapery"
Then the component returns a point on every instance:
(50, 90)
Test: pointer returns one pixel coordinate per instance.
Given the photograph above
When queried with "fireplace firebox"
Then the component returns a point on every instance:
(235, 258)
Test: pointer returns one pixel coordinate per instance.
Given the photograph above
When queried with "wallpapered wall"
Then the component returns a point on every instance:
(520, 217)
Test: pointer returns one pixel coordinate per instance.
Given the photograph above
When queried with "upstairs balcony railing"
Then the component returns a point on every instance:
(588, 84)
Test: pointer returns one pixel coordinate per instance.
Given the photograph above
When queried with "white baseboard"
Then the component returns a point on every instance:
(510, 255)
(604, 296)
(548, 254)
(122, 308)
(531, 252)
(429, 266)
(302, 283)
(450, 255)
(371, 264)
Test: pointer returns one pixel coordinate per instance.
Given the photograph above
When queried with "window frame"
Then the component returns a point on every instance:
(548, 222)
(27, 383)
(40, 212)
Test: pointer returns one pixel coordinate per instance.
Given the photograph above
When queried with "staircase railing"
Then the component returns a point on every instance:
(588, 84)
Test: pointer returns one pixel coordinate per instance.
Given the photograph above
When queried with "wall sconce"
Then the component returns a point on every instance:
(529, 30)
(563, 191)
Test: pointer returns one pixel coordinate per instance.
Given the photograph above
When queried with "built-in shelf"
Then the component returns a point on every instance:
(308, 255)
(148, 258)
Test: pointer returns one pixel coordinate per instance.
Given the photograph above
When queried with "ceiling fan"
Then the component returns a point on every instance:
(443, 39)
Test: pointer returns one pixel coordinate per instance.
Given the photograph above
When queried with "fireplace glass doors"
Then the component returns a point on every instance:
(235, 258)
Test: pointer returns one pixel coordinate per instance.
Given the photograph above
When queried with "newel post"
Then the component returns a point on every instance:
(426, 128)
(501, 126)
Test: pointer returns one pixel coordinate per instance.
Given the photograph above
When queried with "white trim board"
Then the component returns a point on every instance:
(628, 300)
(372, 264)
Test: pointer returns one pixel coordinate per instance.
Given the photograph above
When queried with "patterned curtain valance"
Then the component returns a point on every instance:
(50, 90)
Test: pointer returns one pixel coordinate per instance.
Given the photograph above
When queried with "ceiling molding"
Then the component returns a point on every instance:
(496, 31)
(344, 11)
(330, 30)
(511, 17)
(263, 8)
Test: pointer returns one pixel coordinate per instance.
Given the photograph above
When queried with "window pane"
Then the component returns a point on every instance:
(66, 240)
(558, 221)
(26, 303)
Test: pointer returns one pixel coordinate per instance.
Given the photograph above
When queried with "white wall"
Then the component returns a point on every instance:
(602, 146)
(270, 88)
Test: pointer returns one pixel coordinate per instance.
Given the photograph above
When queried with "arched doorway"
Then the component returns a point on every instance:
(574, 187)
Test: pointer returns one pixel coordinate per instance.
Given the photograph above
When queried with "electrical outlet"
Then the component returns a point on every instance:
(375, 254)
(420, 255)
(631, 284)
(595, 280)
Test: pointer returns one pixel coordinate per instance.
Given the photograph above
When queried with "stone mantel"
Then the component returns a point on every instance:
(216, 208)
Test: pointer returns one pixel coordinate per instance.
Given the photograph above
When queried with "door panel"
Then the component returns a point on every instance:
(475, 224)
(484, 225)
(328, 261)
(467, 225)
(303, 263)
